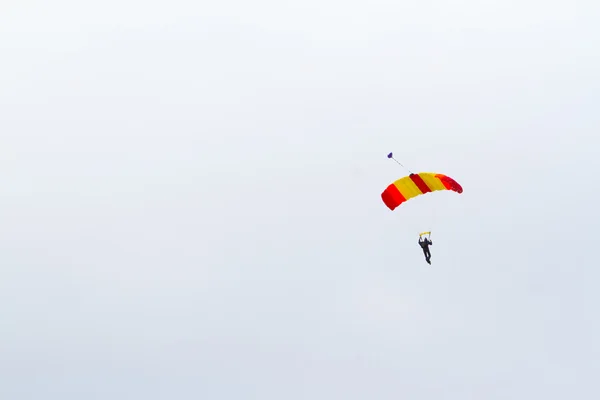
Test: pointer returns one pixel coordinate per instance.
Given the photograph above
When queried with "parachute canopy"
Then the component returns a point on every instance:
(415, 185)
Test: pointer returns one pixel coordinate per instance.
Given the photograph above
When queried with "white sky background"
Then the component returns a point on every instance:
(191, 200)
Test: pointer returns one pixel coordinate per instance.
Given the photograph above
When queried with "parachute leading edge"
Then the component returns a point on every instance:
(415, 185)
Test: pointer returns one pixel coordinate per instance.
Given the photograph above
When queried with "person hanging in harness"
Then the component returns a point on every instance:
(425, 246)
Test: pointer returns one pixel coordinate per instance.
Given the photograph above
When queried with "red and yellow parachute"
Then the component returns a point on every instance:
(415, 185)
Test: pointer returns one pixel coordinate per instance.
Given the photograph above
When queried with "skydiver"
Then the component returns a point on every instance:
(425, 246)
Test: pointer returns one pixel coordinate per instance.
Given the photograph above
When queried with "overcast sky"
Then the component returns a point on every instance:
(190, 200)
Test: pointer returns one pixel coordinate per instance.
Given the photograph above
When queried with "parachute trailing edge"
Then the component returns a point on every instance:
(415, 185)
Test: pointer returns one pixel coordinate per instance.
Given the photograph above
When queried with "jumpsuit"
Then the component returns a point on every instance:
(425, 246)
